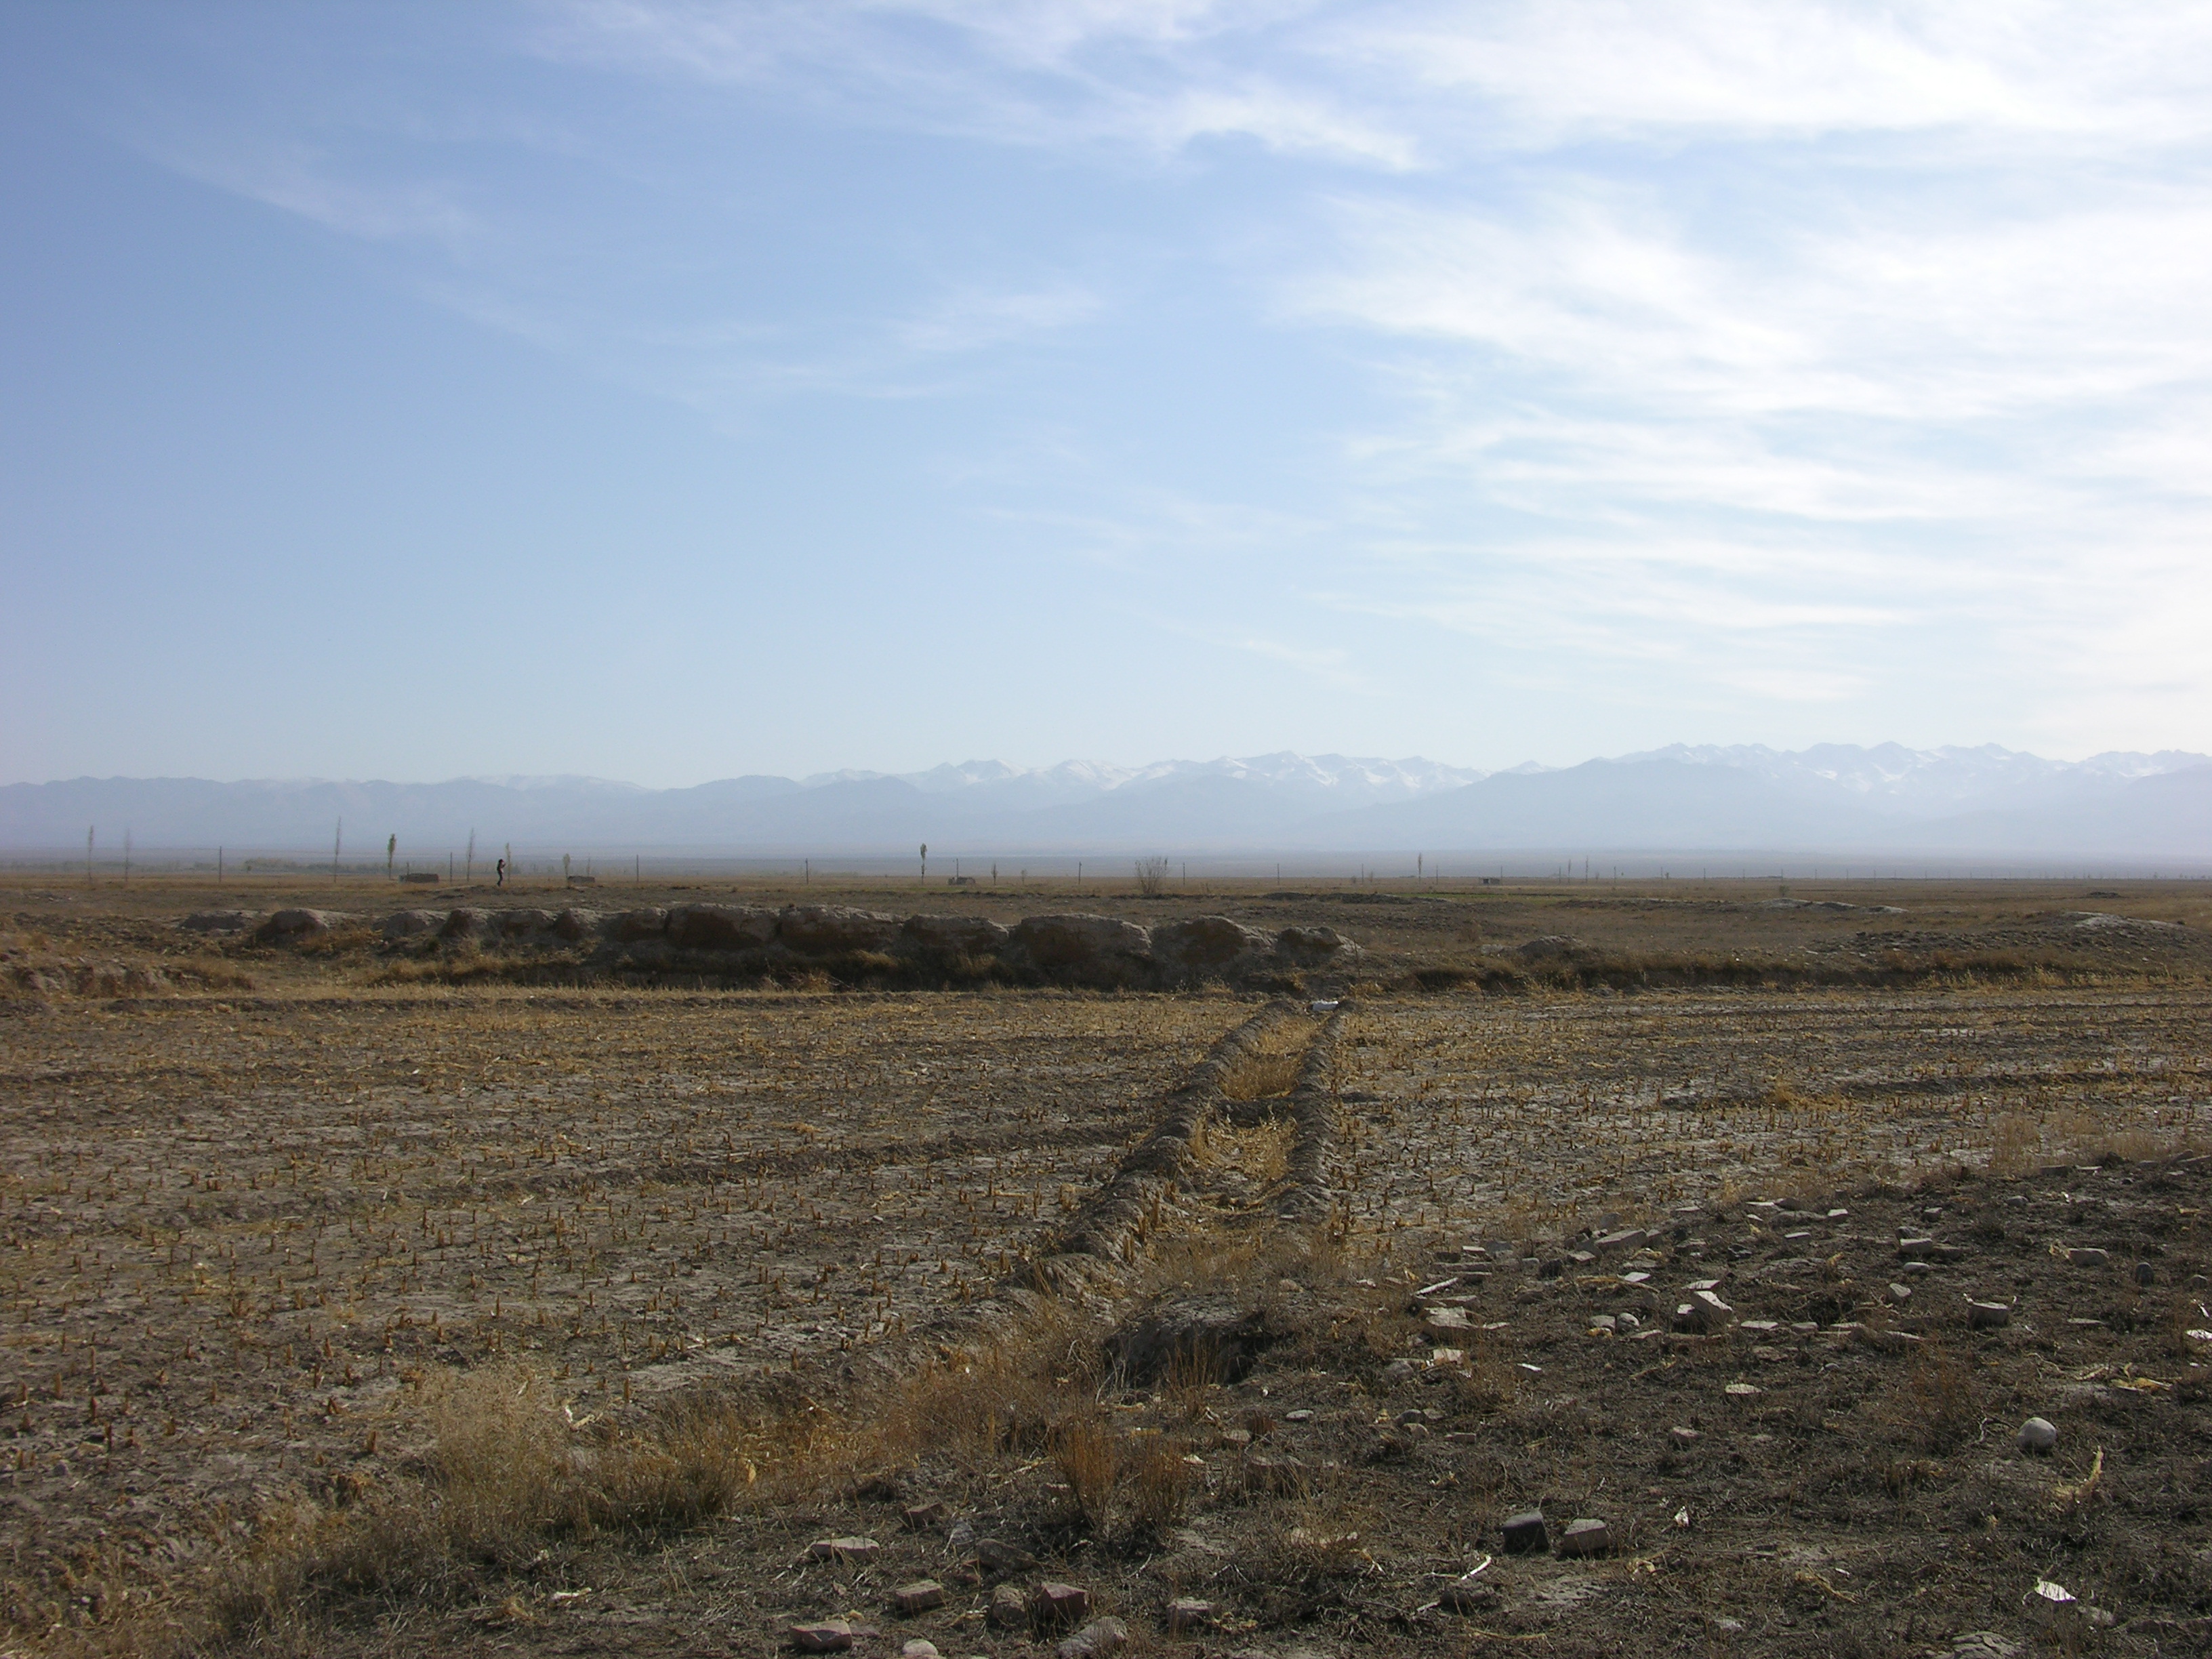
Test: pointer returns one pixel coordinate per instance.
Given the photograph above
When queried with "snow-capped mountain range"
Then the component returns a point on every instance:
(1835, 796)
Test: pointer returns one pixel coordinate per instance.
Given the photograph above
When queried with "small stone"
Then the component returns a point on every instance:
(1095, 1640)
(1952, 1253)
(1585, 1537)
(996, 1555)
(920, 1650)
(1988, 1315)
(1525, 1533)
(1304, 1416)
(1397, 1370)
(920, 1517)
(1448, 1319)
(1603, 1324)
(1055, 1603)
(1915, 1249)
(1915, 1269)
(2145, 1274)
(844, 1549)
(918, 1597)
(2087, 1256)
(1741, 1391)
(1621, 1243)
(1009, 1609)
(1900, 1292)
(1186, 1613)
(1683, 1436)
(830, 1636)
(2038, 1435)
(1704, 1311)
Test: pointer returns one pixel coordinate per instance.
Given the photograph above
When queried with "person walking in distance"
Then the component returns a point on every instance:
(502, 867)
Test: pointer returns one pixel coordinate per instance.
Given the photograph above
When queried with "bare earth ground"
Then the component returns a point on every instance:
(262, 1213)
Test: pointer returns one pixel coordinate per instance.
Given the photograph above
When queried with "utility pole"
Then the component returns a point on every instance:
(337, 841)
(88, 855)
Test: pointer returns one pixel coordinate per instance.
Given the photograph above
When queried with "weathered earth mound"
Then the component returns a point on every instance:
(854, 945)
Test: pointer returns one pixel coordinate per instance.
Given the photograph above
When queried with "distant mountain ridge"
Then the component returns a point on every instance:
(1837, 796)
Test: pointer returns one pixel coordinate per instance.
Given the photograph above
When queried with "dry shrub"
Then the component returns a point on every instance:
(1190, 1377)
(1902, 1474)
(1491, 1381)
(1159, 1488)
(1014, 1391)
(1939, 1400)
(1312, 1541)
(2015, 1145)
(1083, 1452)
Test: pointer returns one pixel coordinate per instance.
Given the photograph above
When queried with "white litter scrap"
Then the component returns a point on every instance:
(2052, 1593)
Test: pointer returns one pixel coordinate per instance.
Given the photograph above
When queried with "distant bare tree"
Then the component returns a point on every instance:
(1153, 877)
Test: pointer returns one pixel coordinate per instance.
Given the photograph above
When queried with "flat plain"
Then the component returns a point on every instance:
(264, 1208)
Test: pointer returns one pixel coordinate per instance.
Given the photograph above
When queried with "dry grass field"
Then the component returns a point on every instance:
(635, 1288)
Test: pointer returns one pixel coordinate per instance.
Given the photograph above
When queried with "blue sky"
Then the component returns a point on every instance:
(669, 391)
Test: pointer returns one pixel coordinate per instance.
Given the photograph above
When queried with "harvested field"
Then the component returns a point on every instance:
(291, 1261)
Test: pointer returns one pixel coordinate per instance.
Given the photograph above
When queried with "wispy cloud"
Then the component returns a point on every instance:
(314, 185)
(1793, 349)
(973, 318)
(1157, 76)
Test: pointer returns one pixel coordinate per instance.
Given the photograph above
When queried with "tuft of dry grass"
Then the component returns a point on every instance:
(509, 1467)
(1160, 1488)
(1083, 1452)
(1941, 1406)
(1261, 1076)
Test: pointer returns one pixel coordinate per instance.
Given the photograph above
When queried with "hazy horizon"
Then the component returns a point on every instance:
(1880, 801)
(1115, 768)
